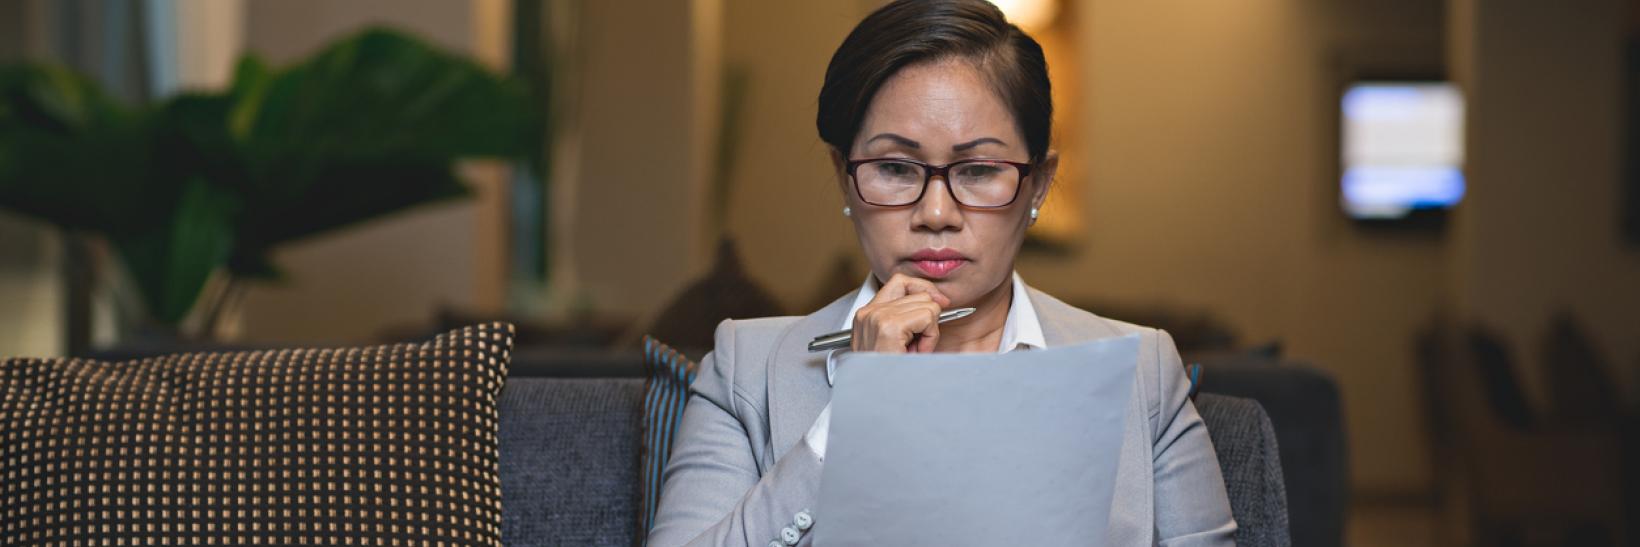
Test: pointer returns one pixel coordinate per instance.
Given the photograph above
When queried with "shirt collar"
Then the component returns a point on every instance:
(1021, 330)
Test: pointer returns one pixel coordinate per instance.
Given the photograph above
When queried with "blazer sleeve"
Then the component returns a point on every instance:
(1192, 508)
(713, 492)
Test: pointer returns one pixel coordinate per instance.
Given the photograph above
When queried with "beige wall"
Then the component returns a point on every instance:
(31, 288)
(1213, 188)
(640, 157)
(784, 207)
(1540, 233)
(31, 277)
(210, 37)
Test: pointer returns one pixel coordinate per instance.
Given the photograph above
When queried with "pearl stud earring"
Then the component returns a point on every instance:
(1034, 214)
(847, 211)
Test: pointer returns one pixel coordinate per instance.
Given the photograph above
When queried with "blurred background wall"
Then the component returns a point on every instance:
(1254, 85)
(1205, 147)
(1541, 235)
(30, 261)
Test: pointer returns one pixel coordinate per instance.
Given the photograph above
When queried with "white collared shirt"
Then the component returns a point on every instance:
(1020, 330)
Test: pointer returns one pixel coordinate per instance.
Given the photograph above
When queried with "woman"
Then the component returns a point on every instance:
(938, 116)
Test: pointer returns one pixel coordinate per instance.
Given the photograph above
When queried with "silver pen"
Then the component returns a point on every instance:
(842, 338)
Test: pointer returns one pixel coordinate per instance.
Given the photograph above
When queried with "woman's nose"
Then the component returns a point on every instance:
(937, 211)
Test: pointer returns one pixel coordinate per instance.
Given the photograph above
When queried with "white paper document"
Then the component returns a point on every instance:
(1015, 448)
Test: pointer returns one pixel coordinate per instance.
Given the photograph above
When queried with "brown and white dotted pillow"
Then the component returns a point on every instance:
(386, 445)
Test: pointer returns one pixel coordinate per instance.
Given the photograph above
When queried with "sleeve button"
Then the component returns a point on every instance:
(803, 520)
(789, 535)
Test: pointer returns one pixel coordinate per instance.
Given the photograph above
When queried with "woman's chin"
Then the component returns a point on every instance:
(963, 285)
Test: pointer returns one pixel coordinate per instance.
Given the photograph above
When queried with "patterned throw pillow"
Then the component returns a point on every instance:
(386, 445)
(666, 390)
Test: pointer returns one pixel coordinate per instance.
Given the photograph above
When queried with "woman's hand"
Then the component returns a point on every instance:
(904, 317)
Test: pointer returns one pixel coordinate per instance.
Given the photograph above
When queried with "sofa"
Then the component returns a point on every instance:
(570, 429)
(570, 443)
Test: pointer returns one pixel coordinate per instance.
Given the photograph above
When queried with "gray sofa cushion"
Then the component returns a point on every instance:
(1306, 409)
(569, 460)
(1246, 446)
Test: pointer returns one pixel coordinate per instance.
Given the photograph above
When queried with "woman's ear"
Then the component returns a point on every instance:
(1044, 177)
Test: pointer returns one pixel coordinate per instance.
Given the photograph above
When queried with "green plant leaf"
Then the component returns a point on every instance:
(250, 84)
(71, 156)
(368, 126)
(350, 193)
(172, 264)
(379, 94)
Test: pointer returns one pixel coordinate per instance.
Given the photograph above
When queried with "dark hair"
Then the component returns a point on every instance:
(907, 32)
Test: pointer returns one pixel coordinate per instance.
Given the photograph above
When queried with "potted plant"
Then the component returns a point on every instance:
(207, 184)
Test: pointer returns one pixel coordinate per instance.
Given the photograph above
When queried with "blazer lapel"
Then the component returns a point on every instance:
(797, 378)
(1063, 324)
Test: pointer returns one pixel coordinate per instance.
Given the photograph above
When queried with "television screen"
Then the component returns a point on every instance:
(1402, 148)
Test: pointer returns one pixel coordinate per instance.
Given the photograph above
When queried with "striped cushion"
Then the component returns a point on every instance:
(666, 390)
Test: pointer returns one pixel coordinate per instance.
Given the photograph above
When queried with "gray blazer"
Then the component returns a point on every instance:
(740, 470)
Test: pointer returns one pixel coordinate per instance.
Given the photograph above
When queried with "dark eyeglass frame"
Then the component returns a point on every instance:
(930, 170)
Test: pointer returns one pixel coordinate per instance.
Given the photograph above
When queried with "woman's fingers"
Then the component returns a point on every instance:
(903, 316)
(924, 342)
(862, 315)
(901, 285)
(908, 324)
(920, 327)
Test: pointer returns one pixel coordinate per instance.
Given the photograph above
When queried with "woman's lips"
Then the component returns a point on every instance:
(938, 268)
(938, 263)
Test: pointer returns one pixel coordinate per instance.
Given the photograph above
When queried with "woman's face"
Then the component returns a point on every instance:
(938, 113)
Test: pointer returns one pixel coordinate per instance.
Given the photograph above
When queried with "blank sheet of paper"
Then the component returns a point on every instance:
(975, 449)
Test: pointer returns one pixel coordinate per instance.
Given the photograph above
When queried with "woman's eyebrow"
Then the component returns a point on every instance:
(959, 147)
(902, 141)
(976, 142)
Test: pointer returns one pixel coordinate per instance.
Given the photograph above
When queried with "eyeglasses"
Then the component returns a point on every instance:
(896, 182)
